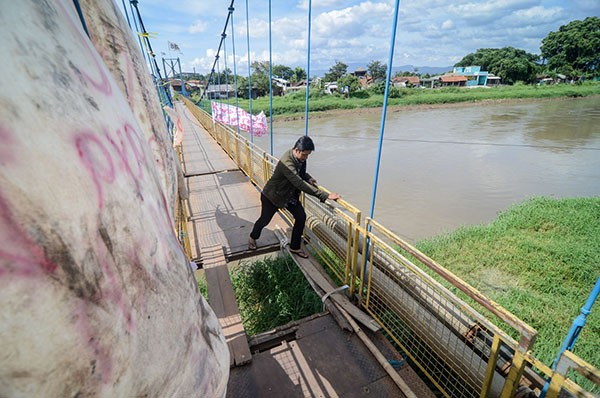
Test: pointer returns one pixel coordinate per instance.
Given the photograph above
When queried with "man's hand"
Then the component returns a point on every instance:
(334, 196)
(312, 181)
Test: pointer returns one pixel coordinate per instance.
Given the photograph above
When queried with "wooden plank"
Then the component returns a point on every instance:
(309, 269)
(222, 299)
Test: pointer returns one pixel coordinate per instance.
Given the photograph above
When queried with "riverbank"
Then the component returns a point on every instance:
(420, 107)
(540, 260)
(293, 106)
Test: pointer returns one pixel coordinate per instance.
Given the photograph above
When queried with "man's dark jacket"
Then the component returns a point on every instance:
(290, 175)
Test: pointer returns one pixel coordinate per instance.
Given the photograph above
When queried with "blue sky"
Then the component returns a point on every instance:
(430, 32)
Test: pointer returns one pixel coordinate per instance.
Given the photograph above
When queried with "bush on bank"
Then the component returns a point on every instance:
(540, 260)
(372, 98)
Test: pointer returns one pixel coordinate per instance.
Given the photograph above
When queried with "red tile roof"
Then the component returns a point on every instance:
(452, 79)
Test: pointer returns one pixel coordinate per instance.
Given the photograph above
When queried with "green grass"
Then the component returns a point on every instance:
(271, 293)
(295, 103)
(540, 260)
(202, 286)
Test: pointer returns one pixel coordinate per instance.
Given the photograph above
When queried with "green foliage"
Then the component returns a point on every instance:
(395, 92)
(377, 70)
(336, 71)
(202, 285)
(574, 49)
(242, 87)
(360, 94)
(260, 67)
(261, 83)
(377, 88)
(539, 260)
(349, 82)
(296, 102)
(299, 74)
(282, 71)
(511, 64)
(271, 293)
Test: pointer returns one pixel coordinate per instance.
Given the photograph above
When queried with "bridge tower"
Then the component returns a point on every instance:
(171, 66)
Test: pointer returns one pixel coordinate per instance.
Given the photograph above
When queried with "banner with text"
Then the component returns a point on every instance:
(234, 116)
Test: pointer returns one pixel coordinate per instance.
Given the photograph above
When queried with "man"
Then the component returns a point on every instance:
(283, 190)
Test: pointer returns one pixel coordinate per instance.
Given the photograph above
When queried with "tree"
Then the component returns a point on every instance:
(242, 87)
(282, 71)
(574, 49)
(261, 67)
(336, 71)
(260, 84)
(350, 82)
(299, 74)
(377, 70)
(222, 77)
(511, 64)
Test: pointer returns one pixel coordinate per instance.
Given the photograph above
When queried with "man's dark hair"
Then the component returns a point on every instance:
(304, 143)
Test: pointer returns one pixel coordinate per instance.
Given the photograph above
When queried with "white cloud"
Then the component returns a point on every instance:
(352, 21)
(535, 16)
(303, 4)
(430, 32)
(198, 27)
(447, 24)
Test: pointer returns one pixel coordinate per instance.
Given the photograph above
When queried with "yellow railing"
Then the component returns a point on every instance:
(462, 352)
(181, 217)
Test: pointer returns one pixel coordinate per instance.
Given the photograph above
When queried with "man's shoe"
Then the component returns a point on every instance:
(299, 253)
(251, 244)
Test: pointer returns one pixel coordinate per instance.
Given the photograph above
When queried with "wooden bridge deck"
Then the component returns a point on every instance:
(223, 204)
(309, 358)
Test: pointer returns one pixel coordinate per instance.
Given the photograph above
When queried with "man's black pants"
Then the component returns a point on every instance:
(268, 210)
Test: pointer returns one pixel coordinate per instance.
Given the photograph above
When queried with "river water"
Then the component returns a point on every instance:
(444, 167)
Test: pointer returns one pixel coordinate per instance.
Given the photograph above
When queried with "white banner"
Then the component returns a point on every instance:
(229, 114)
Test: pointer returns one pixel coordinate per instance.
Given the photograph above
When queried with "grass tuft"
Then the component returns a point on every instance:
(540, 260)
(271, 293)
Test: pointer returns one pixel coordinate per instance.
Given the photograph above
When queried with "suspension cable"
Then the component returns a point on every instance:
(385, 102)
(217, 58)
(142, 49)
(308, 68)
(235, 86)
(270, 79)
(212, 70)
(81, 18)
(134, 3)
(226, 75)
(249, 77)
(126, 14)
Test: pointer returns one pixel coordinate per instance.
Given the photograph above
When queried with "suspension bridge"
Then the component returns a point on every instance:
(119, 282)
(459, 350)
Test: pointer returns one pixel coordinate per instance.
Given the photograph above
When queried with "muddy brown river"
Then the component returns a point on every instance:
(444, 167)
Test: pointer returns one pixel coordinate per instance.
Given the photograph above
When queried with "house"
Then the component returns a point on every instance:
(493, 81)
(331, 87)
(430, 82)
(406, 81)
(360, 72)
(176, 85)
(452, 80)
(301, 85)
(279, 85)
(475, 76)
(220, 91)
